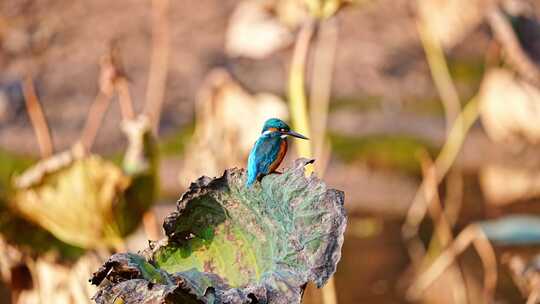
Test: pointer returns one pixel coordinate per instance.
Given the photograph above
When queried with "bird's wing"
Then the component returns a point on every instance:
(262, 156)
(267, 152)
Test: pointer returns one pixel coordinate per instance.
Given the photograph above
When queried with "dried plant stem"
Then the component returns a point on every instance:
(95, 117)
(151, 226)
(454, 195)
(439, 72)
(300, 117)
(456, 138)
(149, 220)
(450, 99)
(297, 94)
(329, 294)
(455, 123)
(110, 76)
(424, 197)
(432, 197)
(443, 230)
(124, 97)
(472, 234)
(321, 85)
(427, 198)
(37, 118)
(159, 61)
(444, 161)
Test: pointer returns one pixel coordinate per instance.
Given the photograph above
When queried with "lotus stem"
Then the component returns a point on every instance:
(470, 235)
(159, 61)
(124, 97)
(444, 161)
(424, 197)
(95, 118)
(448, 93)
(427, 198)
(109, 71)
(300, 117)
(297, 94)
(329, 294)
(151, 226)
(439, 72)
(323, 66)
(443, 229)
(37, 118)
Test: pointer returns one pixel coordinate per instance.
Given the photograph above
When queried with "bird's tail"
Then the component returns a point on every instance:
(251, 178)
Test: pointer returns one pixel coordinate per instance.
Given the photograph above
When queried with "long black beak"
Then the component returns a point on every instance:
(292, 133)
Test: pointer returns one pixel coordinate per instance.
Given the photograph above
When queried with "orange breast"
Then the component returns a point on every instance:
(280, 156)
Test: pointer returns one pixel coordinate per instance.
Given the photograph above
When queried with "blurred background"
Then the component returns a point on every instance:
(425, 113)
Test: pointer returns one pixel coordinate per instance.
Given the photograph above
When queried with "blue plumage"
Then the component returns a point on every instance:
(263, 154)
(269, 150)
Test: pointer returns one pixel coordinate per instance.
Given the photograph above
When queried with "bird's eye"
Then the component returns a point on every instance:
(282, 130)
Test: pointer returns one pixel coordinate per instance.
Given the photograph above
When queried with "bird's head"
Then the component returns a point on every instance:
(276, 127)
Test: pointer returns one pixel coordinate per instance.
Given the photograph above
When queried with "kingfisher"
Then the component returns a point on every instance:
(269, 150)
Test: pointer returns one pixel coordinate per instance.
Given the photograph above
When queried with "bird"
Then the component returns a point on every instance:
(269, 149)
